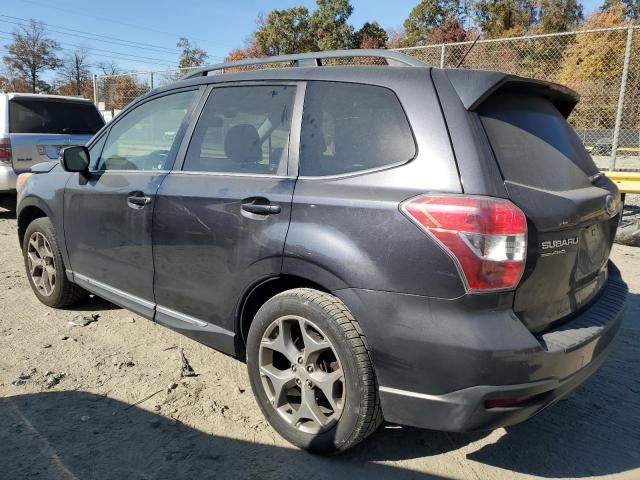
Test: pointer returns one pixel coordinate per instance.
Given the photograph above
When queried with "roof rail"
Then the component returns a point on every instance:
(314, 59)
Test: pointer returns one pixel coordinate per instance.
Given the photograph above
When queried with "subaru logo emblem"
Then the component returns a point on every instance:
(610, 205)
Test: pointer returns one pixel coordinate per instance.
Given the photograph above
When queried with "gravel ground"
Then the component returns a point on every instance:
(105, 401)
(631, 213)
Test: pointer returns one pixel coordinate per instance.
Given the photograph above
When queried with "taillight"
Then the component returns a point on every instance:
(487, 237)
(5, 150)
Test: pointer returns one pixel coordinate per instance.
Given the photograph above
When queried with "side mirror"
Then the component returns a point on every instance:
(75, 159)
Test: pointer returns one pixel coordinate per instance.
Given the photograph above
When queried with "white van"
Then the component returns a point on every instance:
(33, 129)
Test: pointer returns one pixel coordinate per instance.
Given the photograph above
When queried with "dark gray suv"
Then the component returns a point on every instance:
(390, 241)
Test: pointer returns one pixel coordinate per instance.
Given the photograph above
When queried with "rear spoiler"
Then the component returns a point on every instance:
(475, 86)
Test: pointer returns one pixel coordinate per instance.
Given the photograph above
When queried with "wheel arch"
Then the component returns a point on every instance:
(29, 212)
(257, 295)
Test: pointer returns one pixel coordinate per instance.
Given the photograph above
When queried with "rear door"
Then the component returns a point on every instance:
(222, 216)
(40, 127)
(572, 210)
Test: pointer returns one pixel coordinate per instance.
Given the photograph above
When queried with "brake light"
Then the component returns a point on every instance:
(5, 150)
(487, 237)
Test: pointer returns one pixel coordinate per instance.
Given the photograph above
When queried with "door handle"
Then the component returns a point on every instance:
(260, 206)
(138, 200)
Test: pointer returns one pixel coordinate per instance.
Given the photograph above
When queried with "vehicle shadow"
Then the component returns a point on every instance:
(93, 303)
(7, 214)
(595, 431)
(78, 435)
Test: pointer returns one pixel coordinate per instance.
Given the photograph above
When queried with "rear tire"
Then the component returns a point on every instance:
(44, 266)
(316, 388)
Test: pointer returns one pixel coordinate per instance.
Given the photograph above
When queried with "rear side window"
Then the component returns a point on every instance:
(351, 127)
(50, 116)
(534, 144)
(243, 130)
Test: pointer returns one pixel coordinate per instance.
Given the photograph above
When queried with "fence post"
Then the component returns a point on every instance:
(95, 89)
(442, 55)
(151, 80)
(623, 87)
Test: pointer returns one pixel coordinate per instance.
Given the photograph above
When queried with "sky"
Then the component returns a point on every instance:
(140, 35)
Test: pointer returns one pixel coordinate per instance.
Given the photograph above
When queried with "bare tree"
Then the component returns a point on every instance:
(75, 73)
(30, 53)
(108, 68)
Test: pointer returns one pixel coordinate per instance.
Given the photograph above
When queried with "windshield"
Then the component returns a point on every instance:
(534, 144)
(53, 116)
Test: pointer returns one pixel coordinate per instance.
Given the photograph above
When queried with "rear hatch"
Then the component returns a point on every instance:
(572, 210)
(40, 127)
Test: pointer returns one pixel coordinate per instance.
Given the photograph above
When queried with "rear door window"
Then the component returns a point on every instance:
(243, 130)
(349, 127)
(53, 117)
(534, 144)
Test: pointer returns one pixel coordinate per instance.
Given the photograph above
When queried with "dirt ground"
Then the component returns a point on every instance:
(121, 410)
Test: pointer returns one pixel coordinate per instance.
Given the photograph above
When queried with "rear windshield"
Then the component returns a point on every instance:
(534, 144)
(47, 116)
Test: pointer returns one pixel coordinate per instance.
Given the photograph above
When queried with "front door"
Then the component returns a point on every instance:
(108, 214)
(221, 217)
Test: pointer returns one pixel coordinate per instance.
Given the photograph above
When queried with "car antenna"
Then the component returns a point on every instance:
(470, 48)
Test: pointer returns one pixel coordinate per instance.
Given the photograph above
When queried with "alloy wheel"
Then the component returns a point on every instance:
(41, 264)
(302, 374)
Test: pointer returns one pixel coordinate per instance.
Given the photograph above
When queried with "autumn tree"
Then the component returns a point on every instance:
(121, 91)
(631, 8)
(451, 31)
(397, 37)
(250, 50)
(13, 84)
(282, 32)
(74, 74)
(329, 24)
(30, 54)
(505, 18)
(191, 56)
(371, 35)
(429, 15)
(591, 57)
(593, 66)
(558, 16)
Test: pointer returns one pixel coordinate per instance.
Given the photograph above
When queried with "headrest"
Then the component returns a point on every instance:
(242, 144)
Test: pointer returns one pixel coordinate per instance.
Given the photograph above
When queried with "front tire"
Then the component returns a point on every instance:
(311, 373)
(45, 268)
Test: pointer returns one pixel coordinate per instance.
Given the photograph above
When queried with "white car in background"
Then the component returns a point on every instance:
(33, 129)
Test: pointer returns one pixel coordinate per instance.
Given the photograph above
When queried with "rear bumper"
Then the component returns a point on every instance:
(439, 361)
(7, 179)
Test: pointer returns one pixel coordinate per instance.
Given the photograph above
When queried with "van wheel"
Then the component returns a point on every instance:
(45, 268)
(311, 373)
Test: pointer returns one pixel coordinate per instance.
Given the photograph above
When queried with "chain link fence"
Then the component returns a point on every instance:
(111, 93)
(602, 65)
